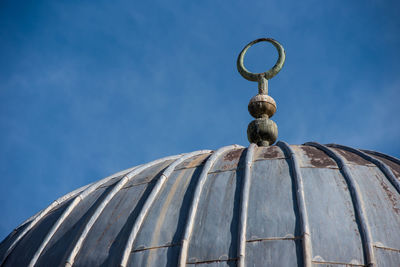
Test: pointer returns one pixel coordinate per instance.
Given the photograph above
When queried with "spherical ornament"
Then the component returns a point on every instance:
(262, 106)
(262, 131)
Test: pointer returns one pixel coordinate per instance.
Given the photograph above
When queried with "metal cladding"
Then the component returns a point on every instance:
(282, 205)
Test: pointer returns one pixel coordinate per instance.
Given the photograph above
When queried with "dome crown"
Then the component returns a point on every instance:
(312, 203)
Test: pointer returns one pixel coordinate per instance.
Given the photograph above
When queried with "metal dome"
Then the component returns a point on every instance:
(297, 205)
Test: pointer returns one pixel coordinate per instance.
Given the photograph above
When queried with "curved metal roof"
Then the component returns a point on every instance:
(297, 205)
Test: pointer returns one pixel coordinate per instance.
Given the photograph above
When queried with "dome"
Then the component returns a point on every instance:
(282, 205)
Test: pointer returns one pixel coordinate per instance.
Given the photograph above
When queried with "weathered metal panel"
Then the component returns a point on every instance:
(311, 157)
(154, 257)
(214, 235)
(268, 152)
(219, 263)
(10, 239)
(155, 192)
(228, 161)
(359, 205)
(193, 161)
(387, 257)
(147, 174)
(392, 165)
(105, 241)
(166, 256)
(333, 264)
(71, 228)
(272, 204)
(383, 155)
(352, 158)
(111, 182)
(27, 247)
(384, 168)
(105, 244)
(382, 204)
(194, 207)
(282, 253)
(334, 231)
(166, 219)
(32, 221)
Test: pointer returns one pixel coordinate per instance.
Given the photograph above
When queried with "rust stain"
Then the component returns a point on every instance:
(193, 162)
(389, 194)
(233, 155)
(317, 157)
(271, 152)
(227, 167)
(353, 158)
(229, 162)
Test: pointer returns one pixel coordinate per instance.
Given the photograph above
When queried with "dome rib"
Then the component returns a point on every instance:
(357, 202)
(381, 165)
(195, 202)
(107, 199)
(383, 155)
(96, 214)
(38, 216)
(41, 214)
(244, 202)
(235, 206)
(301, 203)
(149, 202)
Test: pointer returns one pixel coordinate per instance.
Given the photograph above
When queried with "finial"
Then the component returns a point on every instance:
(262, 130)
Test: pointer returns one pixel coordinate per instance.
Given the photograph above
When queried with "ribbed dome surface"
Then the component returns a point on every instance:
(297, 205)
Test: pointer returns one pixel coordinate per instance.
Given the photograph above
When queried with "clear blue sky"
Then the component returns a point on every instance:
(88, 88)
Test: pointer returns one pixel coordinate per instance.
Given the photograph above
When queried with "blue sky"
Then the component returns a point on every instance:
(88, 88)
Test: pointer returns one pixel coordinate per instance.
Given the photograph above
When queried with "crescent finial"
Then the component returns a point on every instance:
(268, 74)
(262, 107)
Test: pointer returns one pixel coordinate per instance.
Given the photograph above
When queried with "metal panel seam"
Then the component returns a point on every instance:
(275, 239)
(244, 202)
(211, 261)
(336, 263)
(356, 199)
(386, 248)
(195, 201)
(305, 226)
(149, 248)
(149, 202)
(382, 166)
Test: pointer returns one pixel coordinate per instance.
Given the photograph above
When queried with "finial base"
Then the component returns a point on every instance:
(263, 143)
(262, 132)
